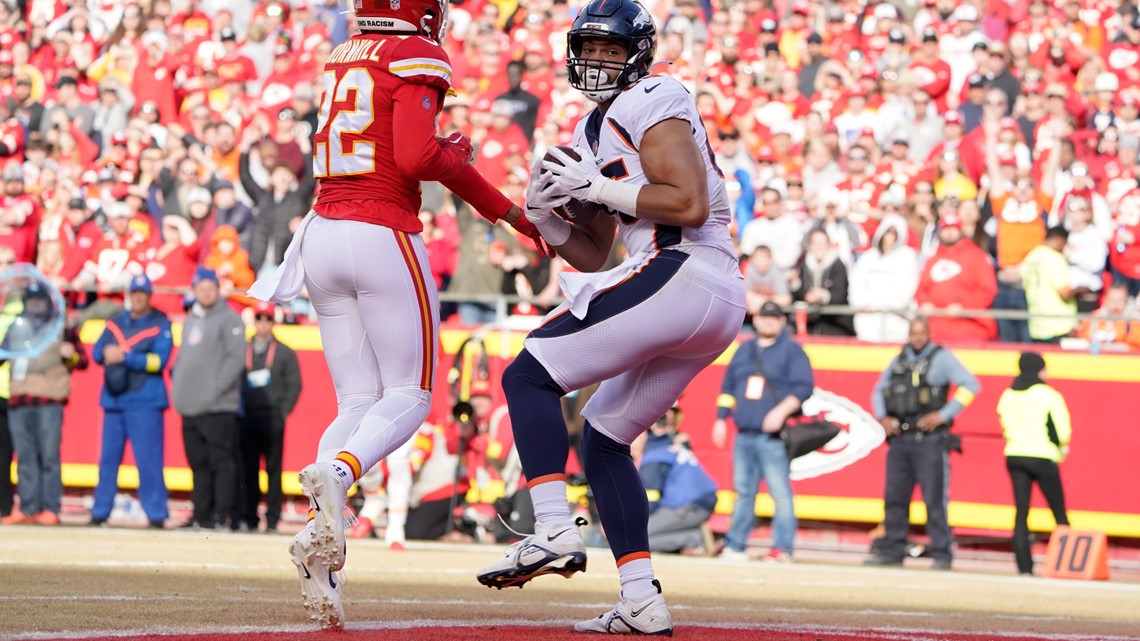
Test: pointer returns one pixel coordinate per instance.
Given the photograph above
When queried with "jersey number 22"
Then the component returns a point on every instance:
(345, 113)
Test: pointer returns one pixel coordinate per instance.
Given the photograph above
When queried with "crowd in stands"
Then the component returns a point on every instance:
(882, 156)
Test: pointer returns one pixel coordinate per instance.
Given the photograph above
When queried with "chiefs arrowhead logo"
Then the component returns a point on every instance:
(859, 434)
(944, 270)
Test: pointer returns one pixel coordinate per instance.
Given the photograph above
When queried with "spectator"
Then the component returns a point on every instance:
(682, 495)
(1113, 323)
(764, 281)
(1049, 290)
(207, 393)
(231, 263)
(269, 393)
(767, 380)
(1124, 257)
(524, 105)
(822, 280)
(958, 277)
(134, 349)
(228, 210)
(39, 389)
(776, 228)
(913, 402)
(1036, 426)
(1087, 253)
(105, 270)
(883, 283)
(277, 207)
(19, 215)
(844, 236)
(171, 265)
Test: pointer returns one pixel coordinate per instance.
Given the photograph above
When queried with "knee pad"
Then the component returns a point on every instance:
(526, 373)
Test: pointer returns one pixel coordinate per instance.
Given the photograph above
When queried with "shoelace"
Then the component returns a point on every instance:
(580, 521)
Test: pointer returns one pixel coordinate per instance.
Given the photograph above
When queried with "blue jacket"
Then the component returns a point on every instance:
(787, 372)
(673, 477)
(137, 382)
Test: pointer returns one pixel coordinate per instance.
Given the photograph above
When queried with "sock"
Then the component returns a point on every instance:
(550, 504)
(347, 467)
(395, 530)
(636, 574)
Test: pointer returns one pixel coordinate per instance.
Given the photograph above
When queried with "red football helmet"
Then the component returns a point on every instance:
(426, 18)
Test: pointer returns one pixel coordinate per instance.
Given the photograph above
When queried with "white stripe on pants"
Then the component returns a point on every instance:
(379, 323)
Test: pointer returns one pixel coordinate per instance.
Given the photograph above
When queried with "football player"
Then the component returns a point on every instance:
(644, 329)
(360, 255)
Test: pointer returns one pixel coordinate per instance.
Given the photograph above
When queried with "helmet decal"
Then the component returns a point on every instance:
(623, 21)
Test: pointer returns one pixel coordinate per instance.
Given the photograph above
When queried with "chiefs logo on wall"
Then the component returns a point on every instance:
(859, 434)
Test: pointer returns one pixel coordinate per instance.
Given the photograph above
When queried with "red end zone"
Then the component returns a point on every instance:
(563, 633)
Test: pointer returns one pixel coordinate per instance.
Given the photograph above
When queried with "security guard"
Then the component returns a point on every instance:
(916, 409)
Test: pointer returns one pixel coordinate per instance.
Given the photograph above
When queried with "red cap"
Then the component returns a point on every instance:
(794, 176)
(265, 307)
(480, 387)
(953, 116)
(1006, 158)
(6, 58)
(766, 153)
(869, 71)
(1007, 122)
(1032, 87)
(801, 7)
(857, 90)
(950, 220)
(866, 132)
(1127, 97)
(119, 138)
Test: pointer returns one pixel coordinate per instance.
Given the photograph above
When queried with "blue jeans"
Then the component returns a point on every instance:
(36, 431)
(476, 314)
(755, 456)
(1009, 330)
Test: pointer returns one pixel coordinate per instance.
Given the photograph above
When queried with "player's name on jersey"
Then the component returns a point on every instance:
(356, 50)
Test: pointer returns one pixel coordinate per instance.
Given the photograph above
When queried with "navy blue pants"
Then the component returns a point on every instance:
(144, 429)
(920, 459)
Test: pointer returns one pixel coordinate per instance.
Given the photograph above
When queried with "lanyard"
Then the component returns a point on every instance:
(268, 356)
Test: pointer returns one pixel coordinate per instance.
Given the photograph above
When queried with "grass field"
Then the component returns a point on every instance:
(73, 582)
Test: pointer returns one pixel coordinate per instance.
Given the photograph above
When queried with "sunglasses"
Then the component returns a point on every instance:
(924, 192)
(263, 317)
(795, 184)
(859, 158)
(771, 202)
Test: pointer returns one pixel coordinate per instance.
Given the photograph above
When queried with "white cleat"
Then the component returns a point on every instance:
(321, 483)
(320, 588)
(648, 616)
(557, 550)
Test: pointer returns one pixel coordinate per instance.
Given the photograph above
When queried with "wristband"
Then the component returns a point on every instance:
(615, 194)
(554, 229)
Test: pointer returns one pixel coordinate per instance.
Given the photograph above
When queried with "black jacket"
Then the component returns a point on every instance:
(271, 219)
(284, 386)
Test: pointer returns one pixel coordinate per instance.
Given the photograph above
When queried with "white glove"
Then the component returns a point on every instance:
(543, 194)
(575, 177)
(581, 180)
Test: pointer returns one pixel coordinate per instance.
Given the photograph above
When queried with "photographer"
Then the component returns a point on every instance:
(912, 401)
(682, 495)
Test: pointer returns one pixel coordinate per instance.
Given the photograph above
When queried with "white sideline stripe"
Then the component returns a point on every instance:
(882, 633)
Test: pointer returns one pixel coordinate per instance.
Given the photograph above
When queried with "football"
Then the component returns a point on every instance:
(575, 211)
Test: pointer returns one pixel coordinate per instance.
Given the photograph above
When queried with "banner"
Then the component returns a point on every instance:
(843, 483)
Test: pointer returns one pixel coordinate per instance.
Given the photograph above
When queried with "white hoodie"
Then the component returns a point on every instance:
(884, 282)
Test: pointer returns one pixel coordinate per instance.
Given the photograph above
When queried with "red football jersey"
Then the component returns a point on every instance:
(354, 147)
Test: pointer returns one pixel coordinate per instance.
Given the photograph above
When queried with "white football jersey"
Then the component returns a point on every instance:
(615, 138)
